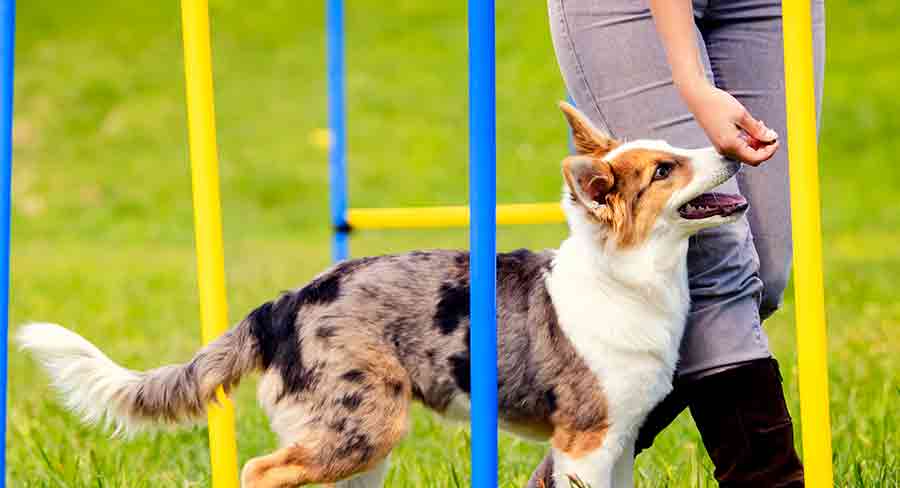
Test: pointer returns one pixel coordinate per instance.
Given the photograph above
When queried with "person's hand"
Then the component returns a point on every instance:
(730, 127)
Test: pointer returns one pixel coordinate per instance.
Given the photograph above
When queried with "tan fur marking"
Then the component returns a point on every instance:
(577, 444)
(588, 140)
(635, 202)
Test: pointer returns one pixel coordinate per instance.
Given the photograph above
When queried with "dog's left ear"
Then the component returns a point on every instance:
(590, 180)
(587, 138)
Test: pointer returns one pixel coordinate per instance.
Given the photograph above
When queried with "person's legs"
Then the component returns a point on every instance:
(746, 53)
(616, 71)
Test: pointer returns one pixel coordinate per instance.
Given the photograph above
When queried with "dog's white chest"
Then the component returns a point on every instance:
(628, 341)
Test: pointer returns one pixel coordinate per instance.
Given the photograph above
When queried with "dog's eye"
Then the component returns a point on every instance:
(663, 170)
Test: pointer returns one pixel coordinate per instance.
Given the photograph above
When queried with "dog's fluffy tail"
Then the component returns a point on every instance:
(100, 390)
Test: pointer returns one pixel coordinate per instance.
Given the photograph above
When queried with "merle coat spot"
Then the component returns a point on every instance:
(326, 332)
(452, 307)
(550, 400)
(338, 425)
(354, 376)
(396, 387)
(417, 393)
(355, 444)
(274, 327)
(351, 401)
(322, 290)
(459, 366)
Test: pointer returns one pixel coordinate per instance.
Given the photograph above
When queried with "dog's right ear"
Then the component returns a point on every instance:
(590, 180)
(587, 138)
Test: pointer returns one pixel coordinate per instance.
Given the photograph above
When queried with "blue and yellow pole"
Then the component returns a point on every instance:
(812, 351)
(483, 241)
(208, 224)
(451, 216)
(337, 151)
(7, 44)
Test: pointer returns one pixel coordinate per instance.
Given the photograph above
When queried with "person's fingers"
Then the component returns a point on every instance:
(754, 157)
(756, 128)
(753, 142)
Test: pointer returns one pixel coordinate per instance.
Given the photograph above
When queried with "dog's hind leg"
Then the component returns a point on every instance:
(342, 424)
(373, 478)
(350, 459)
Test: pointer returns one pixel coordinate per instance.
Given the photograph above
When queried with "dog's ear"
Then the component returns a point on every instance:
(587, 138)
(589, 180)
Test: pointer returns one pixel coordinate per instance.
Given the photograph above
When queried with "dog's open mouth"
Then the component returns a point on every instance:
(712, 204)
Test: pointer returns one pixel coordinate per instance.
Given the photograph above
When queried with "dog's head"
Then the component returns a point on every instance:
(628, 192)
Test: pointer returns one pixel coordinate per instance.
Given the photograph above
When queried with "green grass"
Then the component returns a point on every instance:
(103, 228)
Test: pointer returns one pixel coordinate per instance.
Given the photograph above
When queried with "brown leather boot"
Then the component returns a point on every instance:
(745, 425)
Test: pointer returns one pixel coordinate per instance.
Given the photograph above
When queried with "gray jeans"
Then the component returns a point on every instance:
(616, 71)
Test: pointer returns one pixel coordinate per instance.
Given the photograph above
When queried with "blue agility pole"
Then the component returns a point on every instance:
(337, 148)
(7, 38)
(483, 242)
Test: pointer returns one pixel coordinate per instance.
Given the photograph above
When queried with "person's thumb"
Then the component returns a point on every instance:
(756, 129)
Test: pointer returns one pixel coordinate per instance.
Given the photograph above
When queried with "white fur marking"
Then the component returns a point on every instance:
(90, 383)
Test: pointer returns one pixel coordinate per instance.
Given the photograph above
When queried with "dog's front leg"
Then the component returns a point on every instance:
(594, 469)
(623, 469)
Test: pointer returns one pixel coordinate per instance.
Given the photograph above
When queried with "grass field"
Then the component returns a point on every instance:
(103, 237)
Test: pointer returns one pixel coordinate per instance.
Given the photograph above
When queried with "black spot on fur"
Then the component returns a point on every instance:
(274, 327)
(422, 256)
(459, 366)
(299, 378)
(417, 393)
(338, 425)
(550, 400)
(354, 376)
(351, 401)
(452, 307)
(355, 444)
(322, 290)
(402, 334)
(262, 329)
(396, 387)
(326, 332)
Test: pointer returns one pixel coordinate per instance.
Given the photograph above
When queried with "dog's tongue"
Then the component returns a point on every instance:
(710, 204)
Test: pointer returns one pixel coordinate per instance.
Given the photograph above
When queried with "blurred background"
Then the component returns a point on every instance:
(103, 236)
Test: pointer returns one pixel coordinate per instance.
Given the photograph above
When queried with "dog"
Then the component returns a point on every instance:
(588, 334)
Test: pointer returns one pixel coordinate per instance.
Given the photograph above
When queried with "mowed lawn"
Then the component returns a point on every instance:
(103, 239)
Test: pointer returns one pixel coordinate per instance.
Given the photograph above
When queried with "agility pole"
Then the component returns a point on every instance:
(483, 241)
(812, 340)
(208, 224)
(337, 148)
(452, 216)
(7, 50)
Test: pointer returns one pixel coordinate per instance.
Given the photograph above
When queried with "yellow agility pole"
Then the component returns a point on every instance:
(807, 233)
(454, 216)
(208, 224)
